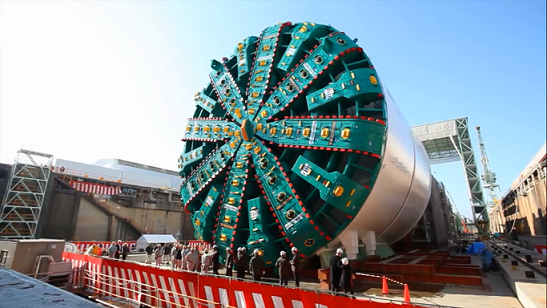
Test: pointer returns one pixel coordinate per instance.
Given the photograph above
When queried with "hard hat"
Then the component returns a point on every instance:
(282, 253)
(228, 249)
(255, 252)
(345, 261)
(294, 249)
(339, 251)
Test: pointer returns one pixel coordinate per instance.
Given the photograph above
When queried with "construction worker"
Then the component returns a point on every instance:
(112, 250)
(335, 270)
(295, 266)
(99, 252)
(177, 256)
(192, 260)
(215, 259)
(89, 250)
(257, 265)
(206, 261)
(284, 268)
(149, 252)
(96, 250)
(118, 252)
(125, 251)
(158, 254)
(241, 262)
(166, 253)
(185, 252)
(347, 275)
(229, 263)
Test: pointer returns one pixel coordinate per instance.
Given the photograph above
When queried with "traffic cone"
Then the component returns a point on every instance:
(385, 289)
(406, 294)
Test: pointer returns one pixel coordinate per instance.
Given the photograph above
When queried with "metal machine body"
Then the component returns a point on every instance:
(401, 192)
(295, 142)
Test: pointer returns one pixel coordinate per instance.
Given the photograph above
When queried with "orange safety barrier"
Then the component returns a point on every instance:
(139, 283)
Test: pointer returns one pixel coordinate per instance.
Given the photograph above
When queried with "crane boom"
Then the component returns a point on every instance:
(488, 177)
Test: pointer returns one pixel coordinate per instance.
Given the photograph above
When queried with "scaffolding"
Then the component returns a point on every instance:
(22, 203)
(449, 141)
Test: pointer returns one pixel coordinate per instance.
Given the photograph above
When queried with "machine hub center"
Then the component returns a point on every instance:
(247, 128)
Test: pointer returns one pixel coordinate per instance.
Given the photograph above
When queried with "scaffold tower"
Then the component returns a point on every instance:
(22, 203)
(450, 141)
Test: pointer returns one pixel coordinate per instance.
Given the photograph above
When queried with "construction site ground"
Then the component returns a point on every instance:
(20, 291)
(496, 293)
(531, 291)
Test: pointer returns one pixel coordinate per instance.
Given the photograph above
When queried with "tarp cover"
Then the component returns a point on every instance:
(476, 248)
(147, 239)
(434, 131)
(439, 141)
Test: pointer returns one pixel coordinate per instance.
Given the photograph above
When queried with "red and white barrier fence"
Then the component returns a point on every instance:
(83, 246)
(542, 249)
(139, 283)
(95, 188)
(200, 245)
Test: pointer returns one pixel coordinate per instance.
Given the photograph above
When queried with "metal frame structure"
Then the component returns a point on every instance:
(449, 141)
(489, 178)
(25, 193)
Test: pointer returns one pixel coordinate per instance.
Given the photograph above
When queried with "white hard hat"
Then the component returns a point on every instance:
(282, 253)
(345, 261)
(228, 249)
(339, 251)
(294, 249)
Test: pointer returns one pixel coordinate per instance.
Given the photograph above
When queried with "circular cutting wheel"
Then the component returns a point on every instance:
(285, 143)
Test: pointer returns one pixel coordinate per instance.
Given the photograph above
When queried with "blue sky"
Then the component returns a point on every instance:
(117, 79)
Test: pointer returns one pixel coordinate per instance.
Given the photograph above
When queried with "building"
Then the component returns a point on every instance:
(124, 172)
(522, 209)
(437, 228)
(109, 200)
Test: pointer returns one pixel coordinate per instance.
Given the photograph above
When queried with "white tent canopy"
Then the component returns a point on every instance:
(147, 239)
